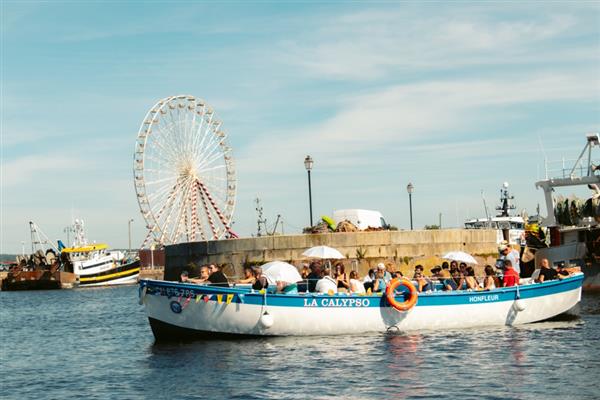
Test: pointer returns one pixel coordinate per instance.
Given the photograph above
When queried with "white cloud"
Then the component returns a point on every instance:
(392, 116)
(369, 45)
(29, 169)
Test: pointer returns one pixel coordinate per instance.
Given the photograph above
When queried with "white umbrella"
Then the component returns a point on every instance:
(460, 256)
(323, 252)
(280, 271)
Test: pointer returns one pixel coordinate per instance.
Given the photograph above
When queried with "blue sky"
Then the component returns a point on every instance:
(454, 97)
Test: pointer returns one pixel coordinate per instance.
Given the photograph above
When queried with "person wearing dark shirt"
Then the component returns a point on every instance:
(546, 273)
(314, 276)
(217, 278)
(260, 281)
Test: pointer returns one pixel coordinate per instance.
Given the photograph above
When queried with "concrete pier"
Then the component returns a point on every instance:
(400, 248)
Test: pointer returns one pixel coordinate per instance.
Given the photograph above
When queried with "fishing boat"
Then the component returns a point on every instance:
(574, 225)
(94, 264)
(509, 228)
(179, 311)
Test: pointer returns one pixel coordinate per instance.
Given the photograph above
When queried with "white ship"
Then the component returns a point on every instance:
(575, 225)
(509, 228)
(95, 265)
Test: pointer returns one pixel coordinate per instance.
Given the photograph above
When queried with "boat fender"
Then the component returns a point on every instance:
(391, 298)
(143, 295)
(266, 320)
(519, 305)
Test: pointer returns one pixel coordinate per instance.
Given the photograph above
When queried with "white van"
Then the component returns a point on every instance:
(361, 218)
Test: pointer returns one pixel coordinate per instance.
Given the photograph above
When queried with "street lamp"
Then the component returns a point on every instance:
(410, 189)
(308, 164)
(129, 226)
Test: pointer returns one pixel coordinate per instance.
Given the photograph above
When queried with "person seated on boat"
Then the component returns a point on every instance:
(563, 272)
(260, 281)
(436, 273)
(356, 286)
(387, 274)
(369, 280)
(216, 277)
(445, 272)
(248, 276)
(287, 287)
(314, 276)
(418, 270)
(305, 271)
(458, 278)
(511, 277)
(470, 279)
(453, 266)
(341, 277)
(397, 274)
(380, 283)
(546, 273)
(326, 284)
(184, 277)
(204, 274)
(490, 281)
(423, 283)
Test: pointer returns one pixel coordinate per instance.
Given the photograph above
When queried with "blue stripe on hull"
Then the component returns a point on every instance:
(440, 298)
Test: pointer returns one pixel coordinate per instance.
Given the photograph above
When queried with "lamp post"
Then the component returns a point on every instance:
(308, 164)
(129, 230)
(410, 189)
(152, 256)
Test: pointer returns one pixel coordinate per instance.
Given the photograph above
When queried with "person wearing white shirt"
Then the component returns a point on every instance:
(326, 284)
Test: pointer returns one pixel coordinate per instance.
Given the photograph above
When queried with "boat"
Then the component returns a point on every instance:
(181, 311)
(573, 224)
(94, 264)
(509, 228)
(41, 270)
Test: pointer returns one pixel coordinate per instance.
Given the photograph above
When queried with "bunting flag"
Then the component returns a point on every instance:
(205, 298)
(262, 291)
(369, 291)
(219, 298)
(198, 297)
(229, 298)
(330, 292)
(241, 297)
(186, 302)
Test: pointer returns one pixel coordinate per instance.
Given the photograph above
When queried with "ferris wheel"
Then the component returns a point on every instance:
(184, 174)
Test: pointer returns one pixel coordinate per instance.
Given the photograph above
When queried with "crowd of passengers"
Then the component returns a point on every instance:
(319, 277)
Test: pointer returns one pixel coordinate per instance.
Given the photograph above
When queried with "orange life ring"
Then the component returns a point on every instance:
(391, 298)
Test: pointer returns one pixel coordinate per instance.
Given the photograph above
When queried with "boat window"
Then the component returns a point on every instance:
(503, 225)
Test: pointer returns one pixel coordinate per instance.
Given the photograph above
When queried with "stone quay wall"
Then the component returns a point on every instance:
(364, 250)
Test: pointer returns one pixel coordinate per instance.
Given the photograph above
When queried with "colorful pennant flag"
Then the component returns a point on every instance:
(198, 297)
(205, 298)
(219, 298)
(229, 298)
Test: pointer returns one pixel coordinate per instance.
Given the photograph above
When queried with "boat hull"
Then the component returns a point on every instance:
(39, 280)
(125, 274)
(180, 311)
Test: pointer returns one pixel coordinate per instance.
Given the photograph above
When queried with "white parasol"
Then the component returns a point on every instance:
(323, 252)
(459, 256)
(280, 271)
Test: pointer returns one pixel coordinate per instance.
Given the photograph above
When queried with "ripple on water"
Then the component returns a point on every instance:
(97, 344)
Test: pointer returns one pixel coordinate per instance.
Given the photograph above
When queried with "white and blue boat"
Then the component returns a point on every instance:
(183, 311)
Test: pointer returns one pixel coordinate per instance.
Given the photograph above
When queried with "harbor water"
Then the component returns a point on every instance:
(97, 344)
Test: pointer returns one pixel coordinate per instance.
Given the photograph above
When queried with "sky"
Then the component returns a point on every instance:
(455, 97)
